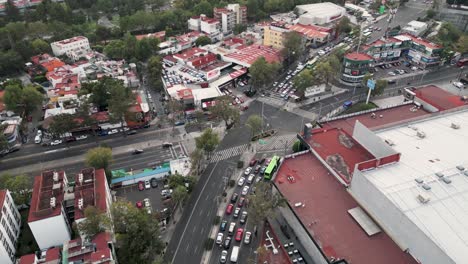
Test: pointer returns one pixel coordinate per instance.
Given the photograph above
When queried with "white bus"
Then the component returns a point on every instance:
(234, 254)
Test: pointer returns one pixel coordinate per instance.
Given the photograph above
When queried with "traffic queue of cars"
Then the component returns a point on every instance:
(233, 227)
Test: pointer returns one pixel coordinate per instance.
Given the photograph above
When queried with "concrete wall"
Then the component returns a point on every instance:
(395, 223)
(370, 141)
(50, 232)
(426, 106)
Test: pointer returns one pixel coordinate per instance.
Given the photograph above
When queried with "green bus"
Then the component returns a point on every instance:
(272, 166)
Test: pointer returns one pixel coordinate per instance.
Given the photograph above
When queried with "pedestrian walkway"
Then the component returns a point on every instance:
(277, 142)
(228, 153)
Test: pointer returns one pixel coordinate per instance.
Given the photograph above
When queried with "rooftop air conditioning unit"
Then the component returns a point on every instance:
(439, 174)
(423, 198)
(455, 126)
(389, 142)
(421, 134)
(56, 176)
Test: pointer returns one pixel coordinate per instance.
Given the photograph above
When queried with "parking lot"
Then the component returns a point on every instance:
(179, 74)
(394, 69)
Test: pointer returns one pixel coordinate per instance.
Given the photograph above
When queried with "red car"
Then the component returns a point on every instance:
(239, 234)
(229, 209)
(139, 204)
(252, 162)
(141, 186)
(244, 107)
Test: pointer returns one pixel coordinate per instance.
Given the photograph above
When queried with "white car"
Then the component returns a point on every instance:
(245, 190)
(219, 238)
(223, 258)
(459, 85)
(166, 192)
(113, 131)
(247, 237)
(247, 171)
(147, 203)
(56, 142)
(147, 184)
(81, 137)
(241, 181)
(391, 73)
(39, 132)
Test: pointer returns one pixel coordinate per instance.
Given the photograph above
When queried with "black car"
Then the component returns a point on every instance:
(137, 151)
(223, 226)
(131, 132)
(261, 161)
(464, 81)
(154, 182)
(234, 197)
(227, 242)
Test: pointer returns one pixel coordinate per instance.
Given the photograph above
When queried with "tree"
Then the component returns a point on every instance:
(136, 232)
(154, 69)
(304, 80)
(98, 158)
(255, 123)
(324, 72)
(263, 202)
(11, 11)
(121, 98)
(202, 41)
(293, 46)
(344, 26)
(207, 141)
(180, 194)
(229, 114)
(239, 28)
(203, 7)
(3, 141)
(448, 34)
(115, 49)
(61, 124)
(10, 62)
(19, 186)
(95, 222)
(262, 71)
(39, 46)
(430, 13)
(380, 86)
(101, 91)
(462, 44)
(22, 100)
(196, 158)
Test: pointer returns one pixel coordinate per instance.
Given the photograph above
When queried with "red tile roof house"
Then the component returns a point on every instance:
(55, 205)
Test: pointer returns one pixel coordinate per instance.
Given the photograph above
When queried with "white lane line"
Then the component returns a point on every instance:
(55, 150)
(191, 213)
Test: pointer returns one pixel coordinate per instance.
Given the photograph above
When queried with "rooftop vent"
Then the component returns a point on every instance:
(439, 174)
(447, 180)
(426, 186)
(423, 198)
(389, 142)
(421, 134)
(460, 168)
(56, 176)
(419, 180)
(53, 201)
(455, 126)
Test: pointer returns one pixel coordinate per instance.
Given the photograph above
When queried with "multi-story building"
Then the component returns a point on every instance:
(274, 35)
(229, 16)
(10, 224)
(355, 66)
(209, 26)
(55, 205)
(70, 45)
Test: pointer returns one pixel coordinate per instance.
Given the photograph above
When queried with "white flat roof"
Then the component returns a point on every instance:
(444, 218)
(321, 9)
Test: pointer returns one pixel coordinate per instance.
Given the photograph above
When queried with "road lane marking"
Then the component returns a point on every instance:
(191, 213)
(54, 150)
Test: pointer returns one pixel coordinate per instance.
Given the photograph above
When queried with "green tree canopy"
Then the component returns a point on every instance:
(19, 186)
(263, 202)
(154, 69)
(98, 158)
(262, 71)
(203, 7)
(344, 26)
(255, 123)
(202, 41)
(95, 222)
(324, 72)
(207, 141)
(304, 80)
(121, 98)
(224, 110)
(180, 194)
(293, 46)
(61, 124)
(40, 46)
(22, 100)
(380, 86)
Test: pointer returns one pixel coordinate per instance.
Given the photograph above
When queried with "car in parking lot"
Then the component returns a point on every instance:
(219, 238)
(257, 168)
(247, 237)
(147, 184)
(154, 182)
(243, 217)
(250, 178)
(223, 226)
(241, 181)
(247, 171)
(252, 162)
(245, 190)
(234, 197)
(236, 212)
(227, 242)
(166, 192)
(223, 258)
(239, 234)
(81, 137)
(459, 85)
(229, 209)
(139, 204)
(141, 186)
(262, 170)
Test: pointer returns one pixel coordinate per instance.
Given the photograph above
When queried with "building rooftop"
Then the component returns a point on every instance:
(97, 251)
(325, 214)
(47, 195)
(339, 150)
(70, 40)
(28, 259)
(190, 53)
(443, 218)
(418, 40)
(310, 31)
(269, 257)
(53, 255)
(249, 54)
(321, 9)
(90, 190)
(438, 98)
(356, 56)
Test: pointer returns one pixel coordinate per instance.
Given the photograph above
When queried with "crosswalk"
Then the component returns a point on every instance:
(228, 153)
(277, 142)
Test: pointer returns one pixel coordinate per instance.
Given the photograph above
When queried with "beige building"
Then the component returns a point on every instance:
(273, 35)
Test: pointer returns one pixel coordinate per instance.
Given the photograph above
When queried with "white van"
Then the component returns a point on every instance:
(38, 139)
(234, 254)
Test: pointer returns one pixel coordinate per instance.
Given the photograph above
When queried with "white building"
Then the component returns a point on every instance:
(9, 227)
(416, 28)
(47, 218)
(194, 23)
(70, 45)
(320, 13)
(231, 15)
(421, 201)
(210, 26)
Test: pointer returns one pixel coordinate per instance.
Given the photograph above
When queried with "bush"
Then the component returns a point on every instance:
(209, 243)
(240, 164)
(297, 146)
(217, 220)
(232, 183)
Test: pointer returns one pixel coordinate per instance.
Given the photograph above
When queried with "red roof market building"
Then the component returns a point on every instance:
(247, 55)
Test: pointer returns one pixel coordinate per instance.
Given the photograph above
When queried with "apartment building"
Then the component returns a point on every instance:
(274, 35)
(68, 46)
(10, 224)
(229, 16)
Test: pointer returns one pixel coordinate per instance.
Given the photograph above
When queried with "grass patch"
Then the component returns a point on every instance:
(26, 242)
(361, 106)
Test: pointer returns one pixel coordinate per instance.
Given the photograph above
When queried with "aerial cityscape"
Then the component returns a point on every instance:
(249, 131)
